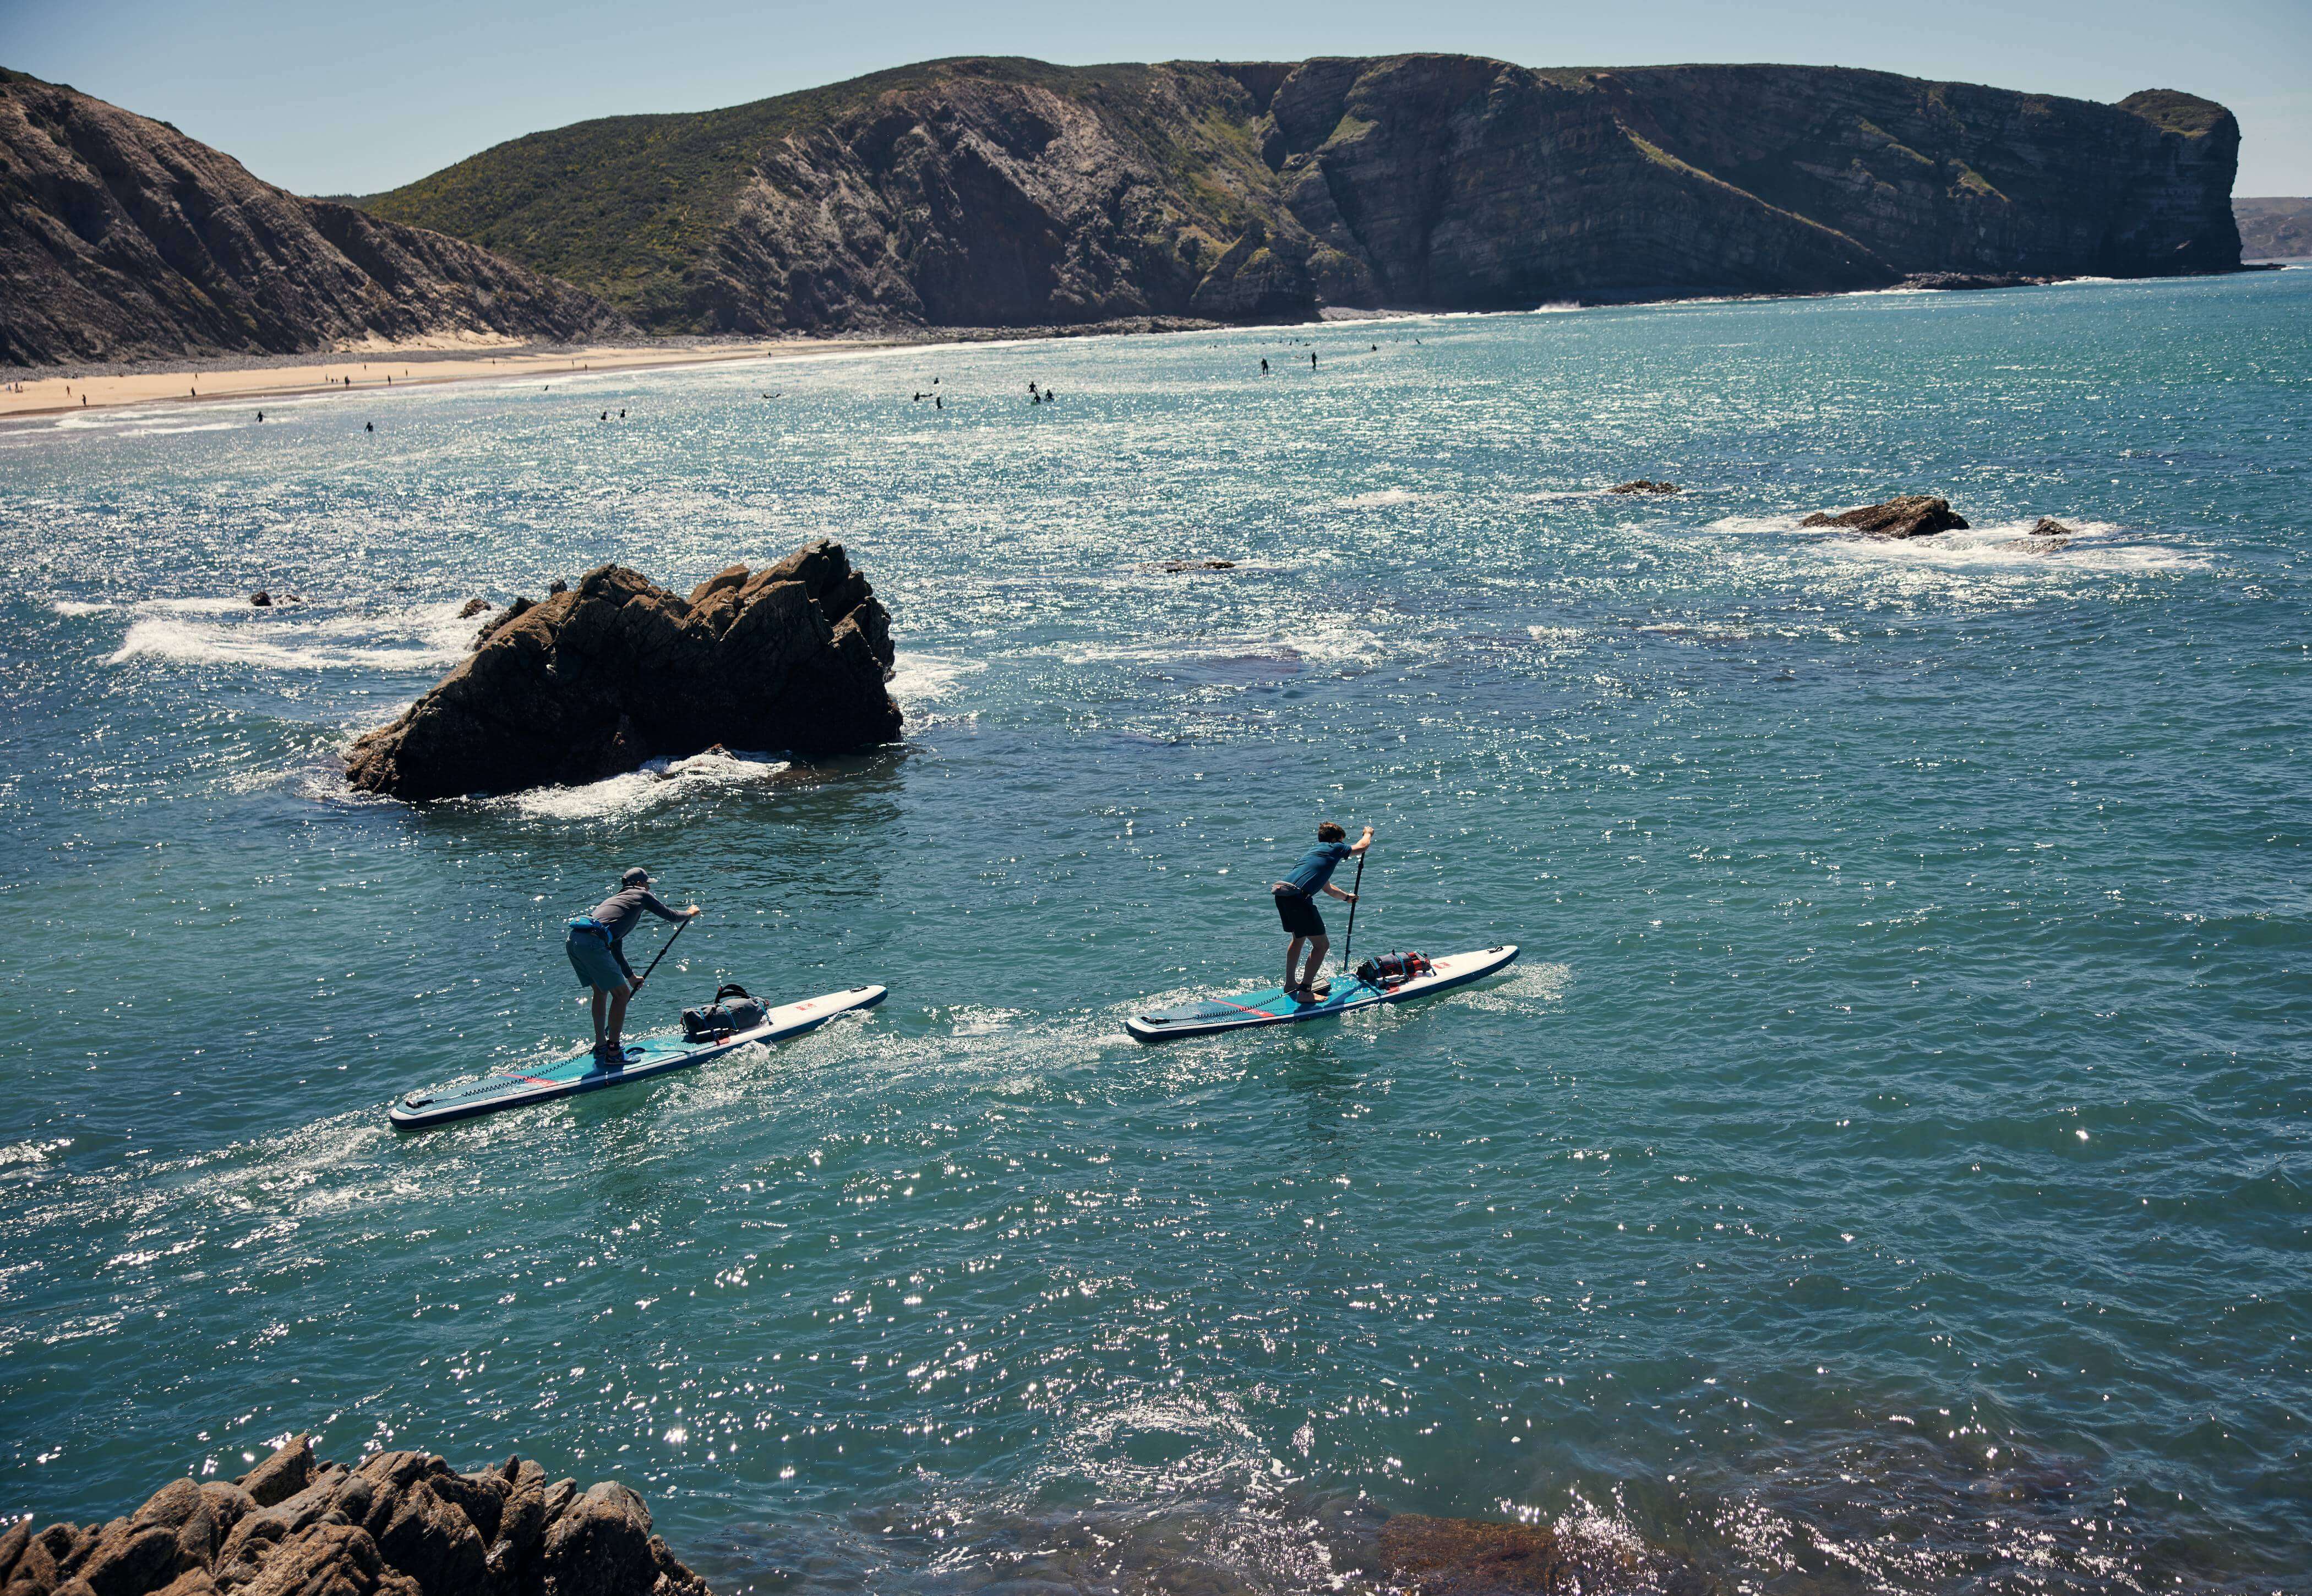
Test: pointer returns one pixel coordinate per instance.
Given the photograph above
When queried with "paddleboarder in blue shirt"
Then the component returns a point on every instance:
(1296, 904)
(601, 964)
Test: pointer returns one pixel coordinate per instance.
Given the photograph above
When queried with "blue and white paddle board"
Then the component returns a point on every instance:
(1273, 1008)
(652, 1056)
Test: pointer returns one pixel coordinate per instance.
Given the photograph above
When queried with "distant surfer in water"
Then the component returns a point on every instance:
(601, 964)
(1296, 904)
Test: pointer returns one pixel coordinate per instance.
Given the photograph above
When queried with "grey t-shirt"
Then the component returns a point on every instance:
(618, 912)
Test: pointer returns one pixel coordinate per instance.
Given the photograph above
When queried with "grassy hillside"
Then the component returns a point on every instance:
(999, 191)
(625, 206)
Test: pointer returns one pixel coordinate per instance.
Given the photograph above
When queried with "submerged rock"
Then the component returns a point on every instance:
(1909, 515)
(401, 1524)
(1174, 567)
(1644, 486)
(1421, 1556)
(2049, 526)
(596, 680)
(261, 599)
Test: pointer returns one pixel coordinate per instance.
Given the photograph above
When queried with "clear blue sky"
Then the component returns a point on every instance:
(352, 96)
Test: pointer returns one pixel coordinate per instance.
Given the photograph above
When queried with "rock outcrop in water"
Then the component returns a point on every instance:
(594, 680)
(121, 239)
(1907, 515)
(1008, 192)
(399, 1523)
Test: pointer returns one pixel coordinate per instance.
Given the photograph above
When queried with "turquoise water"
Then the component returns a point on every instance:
(1886, 1169)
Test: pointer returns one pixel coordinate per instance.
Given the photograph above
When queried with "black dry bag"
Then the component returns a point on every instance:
(731, 1011)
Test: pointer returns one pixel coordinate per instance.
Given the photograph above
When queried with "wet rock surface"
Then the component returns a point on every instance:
(2049, 526)
(1644, 486)
(1907, 515)
(597, 679)
(400, 1524)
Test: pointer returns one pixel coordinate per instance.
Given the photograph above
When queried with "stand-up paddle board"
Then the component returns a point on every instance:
(1273, 1008)
(656, 1055)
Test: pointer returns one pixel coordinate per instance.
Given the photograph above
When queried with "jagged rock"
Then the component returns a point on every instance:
(433, 1541)
(49, 1559)
(594, 681)
(601, 1546)
(13, 1542)
(290, 1469)
(556, 586)
(2049, 526)
(505, 617)
(261, 599)
(481, 1497)
(558, 1497)
(401, 1524)
(330, 1560)
(193, 1582)
(1909, 515)
(474, 606)
(130, 1560)
(1644, 486)
(522, 1526)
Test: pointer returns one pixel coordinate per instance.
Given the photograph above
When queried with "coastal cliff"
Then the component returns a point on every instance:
(121, 239)
(1006, 192)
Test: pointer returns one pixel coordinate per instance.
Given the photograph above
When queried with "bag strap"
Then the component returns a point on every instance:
(731, 989)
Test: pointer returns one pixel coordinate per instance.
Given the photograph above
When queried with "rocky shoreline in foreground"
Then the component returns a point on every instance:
(398, 1523)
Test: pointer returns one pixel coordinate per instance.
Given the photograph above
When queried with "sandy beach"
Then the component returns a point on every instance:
(369, 369)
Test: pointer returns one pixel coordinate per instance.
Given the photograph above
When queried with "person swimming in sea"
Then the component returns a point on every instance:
(1296, 904)
(593, 943)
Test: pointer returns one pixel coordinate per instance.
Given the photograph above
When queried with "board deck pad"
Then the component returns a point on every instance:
(1270, 1007)
(651, 1055)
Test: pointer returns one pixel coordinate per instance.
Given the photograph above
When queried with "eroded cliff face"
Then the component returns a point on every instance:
(1004, 192)
(121, 239)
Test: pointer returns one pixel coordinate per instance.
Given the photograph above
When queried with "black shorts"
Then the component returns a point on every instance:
(1300, 914)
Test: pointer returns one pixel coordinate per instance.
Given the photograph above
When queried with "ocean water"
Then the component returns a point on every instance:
(1886, 1169)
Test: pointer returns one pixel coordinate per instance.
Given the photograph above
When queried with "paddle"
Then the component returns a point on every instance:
(684, 925)
(1355, 891)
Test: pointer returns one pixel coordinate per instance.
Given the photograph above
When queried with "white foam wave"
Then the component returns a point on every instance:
(197, 632)
(74, 606)
(920, 678)
(660, 781)
(1377, 500)
(2090, 547)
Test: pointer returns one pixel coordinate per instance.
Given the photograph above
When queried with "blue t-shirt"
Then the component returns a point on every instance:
(1316, 868)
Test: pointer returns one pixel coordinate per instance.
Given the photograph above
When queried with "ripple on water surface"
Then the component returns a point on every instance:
(1883, 1171)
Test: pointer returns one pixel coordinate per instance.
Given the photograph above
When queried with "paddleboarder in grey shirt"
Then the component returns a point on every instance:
(601, 964)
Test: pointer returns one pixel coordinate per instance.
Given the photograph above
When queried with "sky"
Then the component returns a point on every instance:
(328, 97)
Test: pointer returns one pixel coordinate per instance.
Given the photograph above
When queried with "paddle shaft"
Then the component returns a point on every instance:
(670, 941)
(1356, 891)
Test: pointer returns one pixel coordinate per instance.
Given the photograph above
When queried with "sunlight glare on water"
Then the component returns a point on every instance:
(1885, 1170)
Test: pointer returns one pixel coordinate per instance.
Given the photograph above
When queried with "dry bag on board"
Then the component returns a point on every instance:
(731, 1011)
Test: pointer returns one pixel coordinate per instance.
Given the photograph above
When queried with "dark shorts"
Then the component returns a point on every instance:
(1300, 914)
